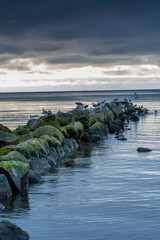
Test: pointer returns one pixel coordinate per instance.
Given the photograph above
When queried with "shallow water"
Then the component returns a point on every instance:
(113, 192)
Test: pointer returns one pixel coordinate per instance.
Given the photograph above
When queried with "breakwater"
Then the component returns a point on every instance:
(41, 142)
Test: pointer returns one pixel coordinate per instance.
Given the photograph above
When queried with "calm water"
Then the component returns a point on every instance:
(113, 192)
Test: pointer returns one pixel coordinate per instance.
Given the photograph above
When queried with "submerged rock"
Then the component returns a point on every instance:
(69, 163)
(9, 231)
(142, 149)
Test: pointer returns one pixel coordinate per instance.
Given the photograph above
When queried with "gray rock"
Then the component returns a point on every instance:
(2, 207)
(142, 149)
(33, 177)
(9, 231)
(52, 161)
(122, 138)
(5, 189)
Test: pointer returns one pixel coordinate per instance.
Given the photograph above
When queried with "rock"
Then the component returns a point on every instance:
(52, 141)
(52, 161)
(14, 156)
(9, 231)
(21, 130)
(69, 143)
(33, 177)
(4, 128)
(91, 138)
(5, 189)
(25, 137)
(60, 151)
(49, 130)
(69, 163)
(28, 149)
(39, 164)
(64, 118)
(114, 128)
(73, 131)
(118, 122)
(142, 149)
(134, 118)
(16, 173)
(98, 128)
(122, 138)
(2, 207)
(66, 148)
(50, 120)
(8, 138)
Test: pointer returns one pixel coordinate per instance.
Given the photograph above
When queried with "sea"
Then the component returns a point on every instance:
(112, 193)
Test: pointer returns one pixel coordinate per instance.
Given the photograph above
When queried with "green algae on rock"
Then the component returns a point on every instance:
(49, 130)
(14, 156)
(8, 138)
(52, 141)
(16, 173)
(73, 130)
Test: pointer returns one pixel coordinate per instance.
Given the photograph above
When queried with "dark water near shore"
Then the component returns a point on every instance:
(113, 192)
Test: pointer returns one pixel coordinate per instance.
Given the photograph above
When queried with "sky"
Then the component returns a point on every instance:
(70, 45)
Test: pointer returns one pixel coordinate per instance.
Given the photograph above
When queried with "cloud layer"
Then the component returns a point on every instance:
(40, 39)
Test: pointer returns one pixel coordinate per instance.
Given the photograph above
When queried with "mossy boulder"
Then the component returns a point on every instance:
(98, 128)
(21, 130)
(52, 141)
(14, 156)
(5, 189)
(16, 173)
(25, 137)
(124, 117)
(4, 128)
(118, 122)
(8, 138)
(114, 128)
(73, 130)
(7, 149)
(83, 117)
(50, 131)
(27, 149)
(64, 118)
(46, 120)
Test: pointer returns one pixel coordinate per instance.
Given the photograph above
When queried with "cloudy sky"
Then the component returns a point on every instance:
(49, 45)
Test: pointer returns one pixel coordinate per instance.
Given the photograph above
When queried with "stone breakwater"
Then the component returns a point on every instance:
(30, 150)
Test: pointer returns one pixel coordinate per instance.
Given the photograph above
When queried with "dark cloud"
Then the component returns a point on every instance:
(79, 31)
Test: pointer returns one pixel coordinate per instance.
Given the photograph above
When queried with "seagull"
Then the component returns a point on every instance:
(44, 111)
(94, 105)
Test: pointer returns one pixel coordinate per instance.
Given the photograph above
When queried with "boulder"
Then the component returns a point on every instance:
(9, 231)
(73, 131)
(98, 128)
(25, 137)
(64, 118)
(39, 165)
(142, 149)
(5, 189)
(50, 120)
(16, 173)
(33, 177)
(21, 130)
(14, 156)
(8, 138)
(2, 207)
(134, 118)
(114, 128)
(4, 128)
(52, 141)
(49, 130)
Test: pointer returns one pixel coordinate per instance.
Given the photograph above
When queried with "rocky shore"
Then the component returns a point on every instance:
(30, 150)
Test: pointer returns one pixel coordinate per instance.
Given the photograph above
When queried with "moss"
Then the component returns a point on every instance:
(21, 130)
(14, 156)
(8, 138)
(52, 141)
(5, 150)
(118, 122)
(27, 149)
(97, 125)
(48, 120)
(48, 130)
(73, 130)
(64, 118)
(4, 128)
